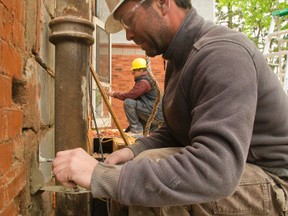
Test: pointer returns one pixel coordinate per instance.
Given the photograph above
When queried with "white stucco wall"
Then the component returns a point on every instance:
(206, 8)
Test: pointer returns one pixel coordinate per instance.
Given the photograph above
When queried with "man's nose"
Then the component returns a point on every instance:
(129, 35)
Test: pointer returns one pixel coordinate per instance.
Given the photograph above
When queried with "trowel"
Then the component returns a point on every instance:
(37, 183)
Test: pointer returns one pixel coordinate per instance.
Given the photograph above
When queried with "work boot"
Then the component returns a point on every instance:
(127, 129)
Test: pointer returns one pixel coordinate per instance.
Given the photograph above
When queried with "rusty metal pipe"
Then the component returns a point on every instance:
(71, 33)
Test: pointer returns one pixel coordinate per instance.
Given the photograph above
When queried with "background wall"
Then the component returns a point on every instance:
(26, 104)
(12, 166)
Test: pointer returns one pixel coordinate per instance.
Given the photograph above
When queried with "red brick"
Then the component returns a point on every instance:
(18, 149)
(18, 183)
(5, 91)
(6, 24)
(1, 19)
(1, 48)
(3, 198)
(6, 157)
(16, 170)
(15, 121)
(10, 210)
(3, 126)
(12, 61)
(8, 4)
(18, 35)
(19, 11)
(6, 56)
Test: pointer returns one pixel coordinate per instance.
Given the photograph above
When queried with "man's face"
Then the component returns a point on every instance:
(137, 72)
(146, 26)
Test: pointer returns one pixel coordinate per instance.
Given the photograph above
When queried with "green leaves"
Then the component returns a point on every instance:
(252, 17)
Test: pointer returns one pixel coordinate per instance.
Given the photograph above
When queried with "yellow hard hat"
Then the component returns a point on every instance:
(138, 63)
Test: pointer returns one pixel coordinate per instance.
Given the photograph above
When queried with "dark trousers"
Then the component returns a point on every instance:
(138, 113)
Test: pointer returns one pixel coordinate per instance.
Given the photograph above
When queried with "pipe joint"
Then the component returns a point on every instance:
(71, 28)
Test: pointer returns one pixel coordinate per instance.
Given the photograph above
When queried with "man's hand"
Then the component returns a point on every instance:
(120, 156)
(74, 167)
(110, 93)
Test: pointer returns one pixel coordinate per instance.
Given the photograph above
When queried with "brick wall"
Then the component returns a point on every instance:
(122, 78)
(12, 166)
(26, 103)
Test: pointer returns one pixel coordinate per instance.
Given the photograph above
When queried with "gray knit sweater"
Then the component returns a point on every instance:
(222, 105)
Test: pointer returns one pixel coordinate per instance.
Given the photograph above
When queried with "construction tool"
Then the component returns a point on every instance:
(37, 182)
(108, 105)
(62, 189)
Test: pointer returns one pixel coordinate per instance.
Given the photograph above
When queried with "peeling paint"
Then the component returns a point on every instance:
(84, 98)
(70, 9)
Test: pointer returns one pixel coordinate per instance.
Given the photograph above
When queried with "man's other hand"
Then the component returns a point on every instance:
(119, 157)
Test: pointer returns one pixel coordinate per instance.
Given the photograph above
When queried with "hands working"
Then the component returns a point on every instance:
(110, 93)
(119, 157)
(76, 166)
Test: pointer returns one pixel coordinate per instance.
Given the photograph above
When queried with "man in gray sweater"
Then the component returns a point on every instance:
(224, 147)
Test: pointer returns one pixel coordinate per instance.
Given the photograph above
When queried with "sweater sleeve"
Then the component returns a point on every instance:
(140, 88)
(105, 180)
(161, 138)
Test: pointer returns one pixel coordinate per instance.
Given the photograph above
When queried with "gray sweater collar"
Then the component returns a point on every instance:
(184, 39)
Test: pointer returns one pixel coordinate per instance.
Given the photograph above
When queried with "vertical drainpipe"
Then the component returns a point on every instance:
(71, 33)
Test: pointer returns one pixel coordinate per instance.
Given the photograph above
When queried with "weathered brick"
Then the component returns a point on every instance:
(6, 55)
(19, 11)
(3, 125)
(1, 19)
(6, 24)
(15, 119)
(8, 4)
(18, 183)
(3, 197)
(11, 209)
(18, 35)
(6, 91)
(18, 149)
(6, 157)
(18, 65)
(11, 175)
(12, 61)
(1, 60)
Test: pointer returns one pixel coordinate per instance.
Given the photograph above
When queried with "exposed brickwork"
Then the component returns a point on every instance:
(6, 157)
(6, 91)
(12, 168)
(122, 78)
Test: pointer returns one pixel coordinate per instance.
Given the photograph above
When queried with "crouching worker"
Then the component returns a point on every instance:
(139, 101)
